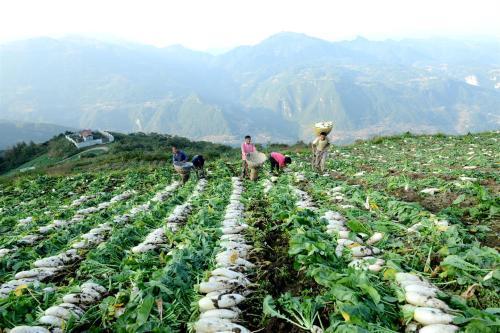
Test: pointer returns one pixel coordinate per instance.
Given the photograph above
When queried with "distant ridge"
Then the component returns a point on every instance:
(13, 132)
(274, 90)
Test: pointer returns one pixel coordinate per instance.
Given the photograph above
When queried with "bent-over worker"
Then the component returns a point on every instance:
(198, 164)
(278, 161)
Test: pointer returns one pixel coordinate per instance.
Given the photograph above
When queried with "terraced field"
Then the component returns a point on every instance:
(399, 235)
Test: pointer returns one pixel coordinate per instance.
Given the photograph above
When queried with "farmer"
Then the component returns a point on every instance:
(246, 147)
(198, 163)
(179, 158)
(320, 151)
(179, 155)
(278, 161)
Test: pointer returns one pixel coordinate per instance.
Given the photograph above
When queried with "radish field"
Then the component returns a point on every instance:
(400, 234)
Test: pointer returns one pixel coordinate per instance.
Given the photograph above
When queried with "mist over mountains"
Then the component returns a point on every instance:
(274, 90)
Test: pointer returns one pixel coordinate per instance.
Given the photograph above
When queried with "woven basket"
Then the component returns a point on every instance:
(183, 167)
(256, 159)
(324, 126)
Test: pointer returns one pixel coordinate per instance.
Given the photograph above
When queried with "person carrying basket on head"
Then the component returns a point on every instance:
(246, 147)
(320, 151)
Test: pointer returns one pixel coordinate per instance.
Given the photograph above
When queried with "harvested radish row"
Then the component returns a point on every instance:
(73, 306)
(227, 285)
(304, 201)
(268, 183)
(48, 267)
(427, 309)
(363, 256)
(166, 192)
(56, 224)
(81, 200)
(156, 238)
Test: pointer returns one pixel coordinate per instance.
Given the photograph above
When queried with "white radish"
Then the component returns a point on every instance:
(156, 236)
(232, 237)
(338, 250)
(76, 309)
(363, 251)
(29, 329)
(214, 325)
(334, 230)
(238, 282)
(229, 255)
(411, 328)
(51, 321)
(4, 252)
(425, 301)
(230, 274)
(60, 312)
(220, 313)
(95, 286)
(344, 234)
(228, 262)
(220, 301)
(141, 248)
(80, 299)
(49, 262)
(438, 328)
(39, 273)
(407, 277)
(376, 237)
(335, 223)
(235, 244)
(234, 230)
(206, 287)
(416, 227)
(218, 293)
(90, 292)
(426, 284)
(345, 242)
(425, 291)
(375, 268)
(46, 229)
(428, 316)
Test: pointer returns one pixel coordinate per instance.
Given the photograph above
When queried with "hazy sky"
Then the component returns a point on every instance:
(212, 24)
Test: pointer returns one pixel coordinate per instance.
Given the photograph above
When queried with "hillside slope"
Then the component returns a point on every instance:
(395, 234)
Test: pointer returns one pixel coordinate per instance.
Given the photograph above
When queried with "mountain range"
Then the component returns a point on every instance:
(275, 90)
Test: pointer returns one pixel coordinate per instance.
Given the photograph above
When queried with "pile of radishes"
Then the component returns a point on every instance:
(73, 306)
(156, 238)
(166, 192)
(304, 201)
(428, 311)
(361, 250)
(441, 225)
(82, 199)
(335, 194)
(268, 183)
(228, 283)
(26, 220)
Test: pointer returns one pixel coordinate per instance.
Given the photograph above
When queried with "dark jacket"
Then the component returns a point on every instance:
(180, 157)
(198, 161)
